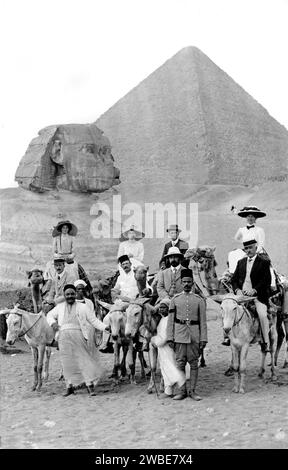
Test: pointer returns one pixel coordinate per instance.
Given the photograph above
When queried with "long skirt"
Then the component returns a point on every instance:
(80, 363)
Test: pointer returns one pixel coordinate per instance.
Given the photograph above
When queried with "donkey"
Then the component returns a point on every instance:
(151, 319)
(37, 333)
(244, 329)
(117, 321)
(134, 320)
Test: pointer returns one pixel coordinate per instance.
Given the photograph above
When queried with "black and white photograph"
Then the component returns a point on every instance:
(144, 228)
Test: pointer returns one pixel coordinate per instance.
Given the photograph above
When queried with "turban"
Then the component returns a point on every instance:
(80, 282)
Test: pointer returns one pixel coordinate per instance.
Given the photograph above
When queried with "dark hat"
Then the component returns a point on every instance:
(251, 210)
(69, 286)
(123, 258)
(173, 227)
(138, 235)
(249, 241)
(72, 229)
(186, 273)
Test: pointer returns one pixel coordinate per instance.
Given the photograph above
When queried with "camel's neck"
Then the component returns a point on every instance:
(141, 284)
(211, 276)
(36, 298)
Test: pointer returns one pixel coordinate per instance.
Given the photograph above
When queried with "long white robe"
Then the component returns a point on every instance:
(170, 372)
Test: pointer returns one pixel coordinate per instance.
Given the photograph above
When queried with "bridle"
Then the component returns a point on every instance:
(245, 311)
(25, 332)
(140, 321)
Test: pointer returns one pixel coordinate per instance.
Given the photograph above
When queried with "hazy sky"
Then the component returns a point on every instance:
(70, 60)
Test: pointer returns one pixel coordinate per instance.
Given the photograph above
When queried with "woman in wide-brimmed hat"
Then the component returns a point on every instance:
(63, 235)
(131, 246)
(251, 213)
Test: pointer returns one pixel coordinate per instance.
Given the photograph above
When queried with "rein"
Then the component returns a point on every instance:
(22, 334)
(245, 310)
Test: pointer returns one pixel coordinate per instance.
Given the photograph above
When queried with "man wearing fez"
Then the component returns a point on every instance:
(173, 232)
(187, 331)
(169, 280)
(125, 289)
(252, 277)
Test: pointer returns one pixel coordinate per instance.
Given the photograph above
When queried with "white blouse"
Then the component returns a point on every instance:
(255, 232)
(135, 248)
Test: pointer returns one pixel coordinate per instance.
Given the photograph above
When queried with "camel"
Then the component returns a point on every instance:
(39, 288)
(140, 274)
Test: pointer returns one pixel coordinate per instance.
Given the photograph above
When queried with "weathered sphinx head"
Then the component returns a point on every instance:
(76, 157)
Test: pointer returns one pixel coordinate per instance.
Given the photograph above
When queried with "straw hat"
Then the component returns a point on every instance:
(251, 210)
(138, 235)
(72, 229)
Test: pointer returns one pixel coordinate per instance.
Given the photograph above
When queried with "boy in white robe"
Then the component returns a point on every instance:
(169, 370)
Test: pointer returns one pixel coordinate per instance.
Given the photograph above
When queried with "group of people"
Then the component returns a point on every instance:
(182, 332)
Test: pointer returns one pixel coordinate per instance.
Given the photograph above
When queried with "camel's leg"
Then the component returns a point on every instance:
(235, 365)
(153, 353)
(46, 364)
(40, 366)
(35, 357)
(242, 367)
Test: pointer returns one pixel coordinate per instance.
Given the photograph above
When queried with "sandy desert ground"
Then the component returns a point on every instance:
(126, 416)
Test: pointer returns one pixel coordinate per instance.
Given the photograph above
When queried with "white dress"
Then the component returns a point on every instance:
(136, 248)
(169, 370)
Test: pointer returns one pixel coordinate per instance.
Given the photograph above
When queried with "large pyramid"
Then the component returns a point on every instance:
(190, 123)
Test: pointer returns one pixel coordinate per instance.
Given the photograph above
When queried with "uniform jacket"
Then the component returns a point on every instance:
(260, 277)
(84, 314)
(165, 283)
(183, 247)
(187, 307)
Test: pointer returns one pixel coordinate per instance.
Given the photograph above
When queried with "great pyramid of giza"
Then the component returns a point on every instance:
(190, 123)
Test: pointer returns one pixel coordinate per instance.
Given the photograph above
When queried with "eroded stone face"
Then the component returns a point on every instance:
(76, 157)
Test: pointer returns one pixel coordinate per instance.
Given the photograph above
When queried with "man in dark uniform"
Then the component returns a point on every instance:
(173, 232)
(187, 331)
